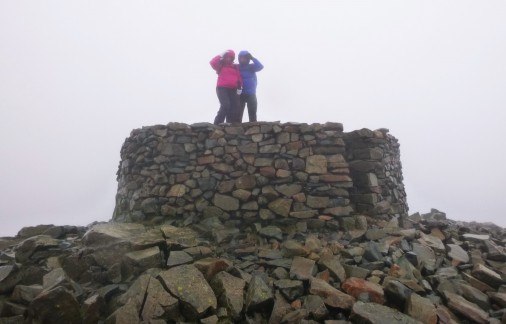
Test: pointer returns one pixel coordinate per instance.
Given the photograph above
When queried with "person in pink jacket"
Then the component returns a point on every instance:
(228, 87)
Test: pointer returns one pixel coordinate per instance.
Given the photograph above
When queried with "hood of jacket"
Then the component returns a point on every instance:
(242, 53)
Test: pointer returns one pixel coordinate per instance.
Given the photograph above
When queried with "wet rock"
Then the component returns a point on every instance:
(364, 290)
(258, 296)
(188, 284)
(378, 314)
(55, 306)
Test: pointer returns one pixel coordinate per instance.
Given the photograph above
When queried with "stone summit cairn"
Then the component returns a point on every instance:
(257, 245)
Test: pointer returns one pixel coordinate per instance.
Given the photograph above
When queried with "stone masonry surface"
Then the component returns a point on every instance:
(258, 172)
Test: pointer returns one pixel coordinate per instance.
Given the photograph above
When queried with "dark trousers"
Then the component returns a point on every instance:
(251, 100)
(229, 106)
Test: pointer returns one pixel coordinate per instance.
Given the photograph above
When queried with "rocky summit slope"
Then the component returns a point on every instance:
(429, 270)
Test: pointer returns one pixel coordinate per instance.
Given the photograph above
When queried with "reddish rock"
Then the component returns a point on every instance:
(360, 287)
(211, 266)
(331, 296)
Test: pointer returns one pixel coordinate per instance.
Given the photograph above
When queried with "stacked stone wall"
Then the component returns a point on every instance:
(257, 172)
(376, 169)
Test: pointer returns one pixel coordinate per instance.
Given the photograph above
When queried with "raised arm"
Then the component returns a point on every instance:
(257, 66)
(216, 63)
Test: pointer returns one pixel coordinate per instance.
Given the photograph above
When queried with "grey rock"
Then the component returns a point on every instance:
(488, 276)
(372, 252)
(397, 293)
(316, 307)
(302, 268)
(55, 306)
(9, 278)
(378, 314)
(331, 296)
(457, 253)
(291, 289)
(421, 308)
(259, 295)
(334, 266)
(271, 232)
(226, 203)
(178, 258)
(158, 303)
(230, 292)
(34, 244)
(465, 308)
(188, 284)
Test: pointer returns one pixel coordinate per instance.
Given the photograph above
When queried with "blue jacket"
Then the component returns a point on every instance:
(249, 74)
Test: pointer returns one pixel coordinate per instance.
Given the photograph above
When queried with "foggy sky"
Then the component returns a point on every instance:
(77, 76)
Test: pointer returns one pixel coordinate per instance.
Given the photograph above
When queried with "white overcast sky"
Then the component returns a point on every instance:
(77, 76)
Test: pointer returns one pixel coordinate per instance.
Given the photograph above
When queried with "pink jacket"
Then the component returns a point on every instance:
(228, 75)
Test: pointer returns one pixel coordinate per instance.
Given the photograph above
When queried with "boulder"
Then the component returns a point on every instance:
(302, 268)
(230, 292)
(331, 296)
(258, 296)
(364, 290)
(188, 284)
(57, 305)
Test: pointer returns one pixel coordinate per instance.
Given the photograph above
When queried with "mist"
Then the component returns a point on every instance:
(77, 76)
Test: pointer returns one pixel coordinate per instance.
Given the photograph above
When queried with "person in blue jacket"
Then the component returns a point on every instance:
(249, 88)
